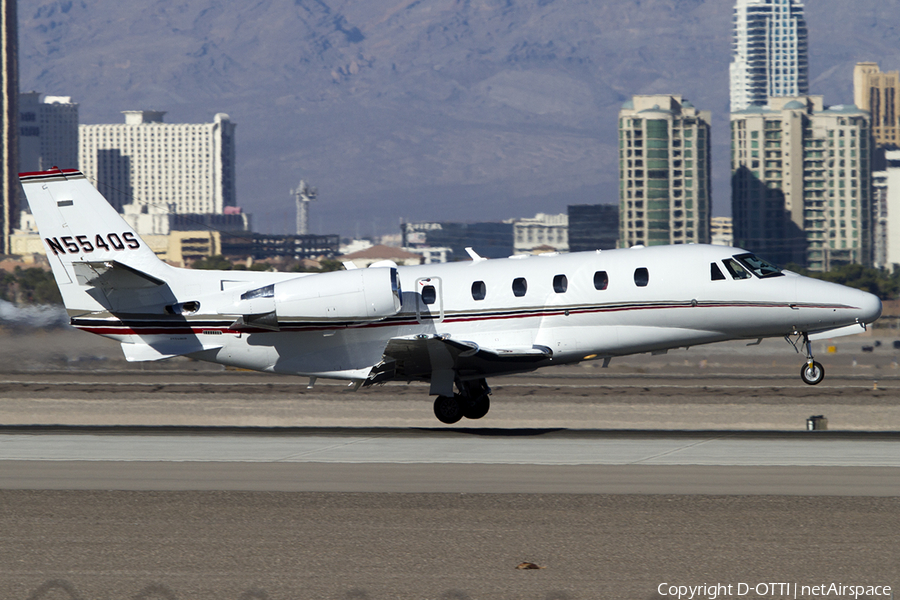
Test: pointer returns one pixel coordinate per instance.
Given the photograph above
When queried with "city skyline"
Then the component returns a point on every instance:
(367, 161)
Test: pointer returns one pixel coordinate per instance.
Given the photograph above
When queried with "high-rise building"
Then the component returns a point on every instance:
(147, 162)
(876, 92)
(800, 182)
(886, 209)
(9, 122)
(593, 227)
(769, 52)
(664, 172)
(48, 132)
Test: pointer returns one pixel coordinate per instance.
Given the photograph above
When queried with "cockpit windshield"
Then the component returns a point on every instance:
(759, 267)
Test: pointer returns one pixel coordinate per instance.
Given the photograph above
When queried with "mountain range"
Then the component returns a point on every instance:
(464, 110)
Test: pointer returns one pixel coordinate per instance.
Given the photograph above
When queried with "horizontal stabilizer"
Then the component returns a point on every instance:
(118, 287)
(146, 352)
(113, 275)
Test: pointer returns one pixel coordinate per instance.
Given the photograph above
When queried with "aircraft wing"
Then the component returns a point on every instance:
(441, 359)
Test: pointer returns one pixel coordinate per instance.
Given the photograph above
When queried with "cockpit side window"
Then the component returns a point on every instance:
(715, 273)
(758, 266)
(736, 270)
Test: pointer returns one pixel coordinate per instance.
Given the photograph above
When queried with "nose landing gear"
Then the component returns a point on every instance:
(812, 372)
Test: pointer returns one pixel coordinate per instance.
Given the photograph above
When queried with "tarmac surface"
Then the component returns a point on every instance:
(183, 480)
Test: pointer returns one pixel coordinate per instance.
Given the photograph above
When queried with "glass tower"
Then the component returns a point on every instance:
(769, 52)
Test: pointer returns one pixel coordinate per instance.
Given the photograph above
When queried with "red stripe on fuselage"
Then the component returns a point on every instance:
(287, 328)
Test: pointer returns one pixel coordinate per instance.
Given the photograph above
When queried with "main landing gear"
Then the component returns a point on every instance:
(473, 402)
(812, 372)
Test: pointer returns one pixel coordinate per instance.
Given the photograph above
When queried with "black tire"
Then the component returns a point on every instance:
(448, 409)
(478, 407)
(812, 373)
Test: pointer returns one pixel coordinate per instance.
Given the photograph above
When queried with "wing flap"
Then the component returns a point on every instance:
(512, 352)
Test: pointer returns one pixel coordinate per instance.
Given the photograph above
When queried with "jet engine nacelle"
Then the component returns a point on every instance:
(355, 295)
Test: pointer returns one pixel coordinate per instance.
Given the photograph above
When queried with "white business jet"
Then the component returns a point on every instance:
(452, 325)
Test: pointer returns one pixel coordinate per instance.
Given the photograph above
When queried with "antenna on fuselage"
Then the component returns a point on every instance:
(474, 255)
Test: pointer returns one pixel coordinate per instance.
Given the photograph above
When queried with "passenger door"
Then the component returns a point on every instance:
(429, 300)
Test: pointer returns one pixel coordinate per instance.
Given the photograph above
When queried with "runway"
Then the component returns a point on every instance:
(460, 460)
(460, 446)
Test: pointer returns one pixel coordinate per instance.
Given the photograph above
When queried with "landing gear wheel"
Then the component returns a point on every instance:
(812, 373)
(477, 407)
(448, 409)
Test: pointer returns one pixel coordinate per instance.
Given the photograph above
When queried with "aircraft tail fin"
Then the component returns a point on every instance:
(83, 233)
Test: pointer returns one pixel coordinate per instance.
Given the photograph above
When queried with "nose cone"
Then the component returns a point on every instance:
(869, 306)
(840, 305)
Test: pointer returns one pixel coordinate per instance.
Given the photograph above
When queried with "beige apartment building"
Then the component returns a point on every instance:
(144, 161)
(876, 92)
(664, 172)
(801, 177)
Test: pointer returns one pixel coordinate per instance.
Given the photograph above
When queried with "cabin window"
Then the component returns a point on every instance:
(519, 286)
(479, 290)
(736, 270)
(429, 294)
(601, 280)
(560, 284)
(641, 277)
(715, 272)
